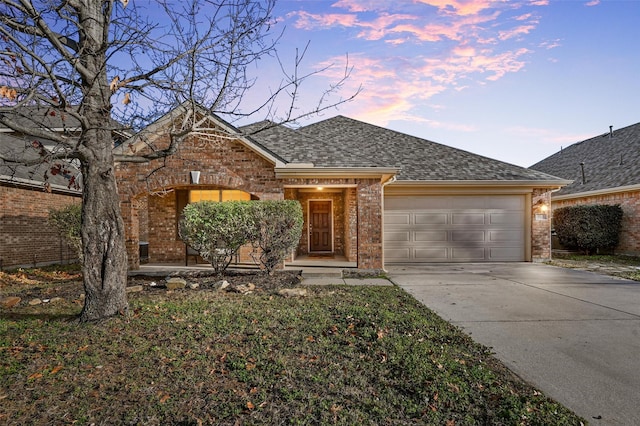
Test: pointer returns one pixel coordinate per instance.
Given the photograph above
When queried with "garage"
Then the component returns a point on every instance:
(454, 228)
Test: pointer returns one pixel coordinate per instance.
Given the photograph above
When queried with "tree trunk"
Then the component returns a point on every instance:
(105, 257)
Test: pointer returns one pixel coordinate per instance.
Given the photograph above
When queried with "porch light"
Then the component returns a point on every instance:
(319, 188)
(195, 177)
(541, 206)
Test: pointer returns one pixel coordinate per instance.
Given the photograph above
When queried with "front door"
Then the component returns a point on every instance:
(320, 226)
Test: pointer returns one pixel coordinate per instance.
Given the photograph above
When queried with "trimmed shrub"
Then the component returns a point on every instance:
(589, 229)
(278, 226)
(68, 221)
(217, 230)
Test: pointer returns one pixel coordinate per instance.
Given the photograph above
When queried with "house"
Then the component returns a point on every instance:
(605, 169)
(26, 197)
(369, 194)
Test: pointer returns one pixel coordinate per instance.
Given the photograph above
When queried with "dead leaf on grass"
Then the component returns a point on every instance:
(55, 369)
(35, 376)
(250, 405)
(164, 398)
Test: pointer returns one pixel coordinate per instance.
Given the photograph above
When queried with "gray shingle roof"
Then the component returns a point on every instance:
(345, 142)
(14, 173)
(610, 161)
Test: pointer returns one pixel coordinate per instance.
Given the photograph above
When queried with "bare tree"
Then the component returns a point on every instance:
(75, 75)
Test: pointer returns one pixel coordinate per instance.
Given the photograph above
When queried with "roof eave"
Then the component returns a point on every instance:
(34, 184)
(465, 187)
(552, 184)
(293, 171)
(596, 192)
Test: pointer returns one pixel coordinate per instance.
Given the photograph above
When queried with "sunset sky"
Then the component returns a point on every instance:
(511, 80)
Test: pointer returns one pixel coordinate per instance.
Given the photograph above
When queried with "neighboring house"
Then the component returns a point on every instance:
(28, 193)
(604, 169)
(370, 194)
(26, 238)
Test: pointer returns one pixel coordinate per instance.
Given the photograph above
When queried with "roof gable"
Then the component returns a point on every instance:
(610, 160)
(211, 122)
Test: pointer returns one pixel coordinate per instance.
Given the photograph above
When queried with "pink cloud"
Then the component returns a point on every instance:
(551, 44)
(470, 49)
(460, 7)
(517, 31)
(358, 5)
(593, 3)
(310, 21)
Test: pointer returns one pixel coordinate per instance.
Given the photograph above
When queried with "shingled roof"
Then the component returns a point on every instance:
(34, 176)
(345, 142)
(610, 160)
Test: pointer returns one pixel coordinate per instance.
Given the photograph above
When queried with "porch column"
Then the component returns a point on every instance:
(369, 224)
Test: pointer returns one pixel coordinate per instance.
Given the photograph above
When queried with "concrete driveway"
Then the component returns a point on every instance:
(574, 335)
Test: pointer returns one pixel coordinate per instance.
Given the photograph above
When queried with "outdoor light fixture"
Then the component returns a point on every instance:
(542, 206)
(319, 188)
(195, 177)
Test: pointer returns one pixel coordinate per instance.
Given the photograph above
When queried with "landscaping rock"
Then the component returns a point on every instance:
(176, 283)
(10, 302)
(224, 284)
(134, 289)
(34, 302)
(193, 286)
(293, 292)
(56, 300)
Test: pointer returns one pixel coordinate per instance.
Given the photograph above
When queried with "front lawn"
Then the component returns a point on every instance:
(341, 355)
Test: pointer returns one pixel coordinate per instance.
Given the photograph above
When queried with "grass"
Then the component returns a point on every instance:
(342, 355)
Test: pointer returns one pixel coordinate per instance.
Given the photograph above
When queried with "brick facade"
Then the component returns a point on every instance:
(223, 164)
(26, 239)
(630, 203)
(541, 225)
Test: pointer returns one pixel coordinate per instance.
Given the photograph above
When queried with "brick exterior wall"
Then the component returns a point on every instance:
(541, 226)
(26, 239)
(630, 204)
(223, 164)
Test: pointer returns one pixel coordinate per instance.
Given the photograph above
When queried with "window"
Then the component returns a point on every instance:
(218, 195)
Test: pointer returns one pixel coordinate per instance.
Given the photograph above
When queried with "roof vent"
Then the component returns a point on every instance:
(610, 132)
(584, 180)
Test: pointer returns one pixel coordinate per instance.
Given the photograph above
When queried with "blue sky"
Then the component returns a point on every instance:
(511, 80)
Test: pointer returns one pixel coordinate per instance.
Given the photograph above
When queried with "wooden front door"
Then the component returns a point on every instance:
(320, 235)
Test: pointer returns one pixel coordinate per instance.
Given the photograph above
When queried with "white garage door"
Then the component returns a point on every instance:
(454, 228)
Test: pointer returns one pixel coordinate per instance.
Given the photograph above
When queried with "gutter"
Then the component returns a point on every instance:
(596, 192)
(6, 180)
(307, 170)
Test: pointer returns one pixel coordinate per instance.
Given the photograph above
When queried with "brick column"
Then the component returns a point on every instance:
(369, 224)
(541, 226)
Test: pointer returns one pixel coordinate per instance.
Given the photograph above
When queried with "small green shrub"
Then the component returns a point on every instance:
(217, 230)
(278, 226)
(68, 221)
(590, 228)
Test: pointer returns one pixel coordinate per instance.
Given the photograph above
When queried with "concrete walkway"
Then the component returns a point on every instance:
(575, 335)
